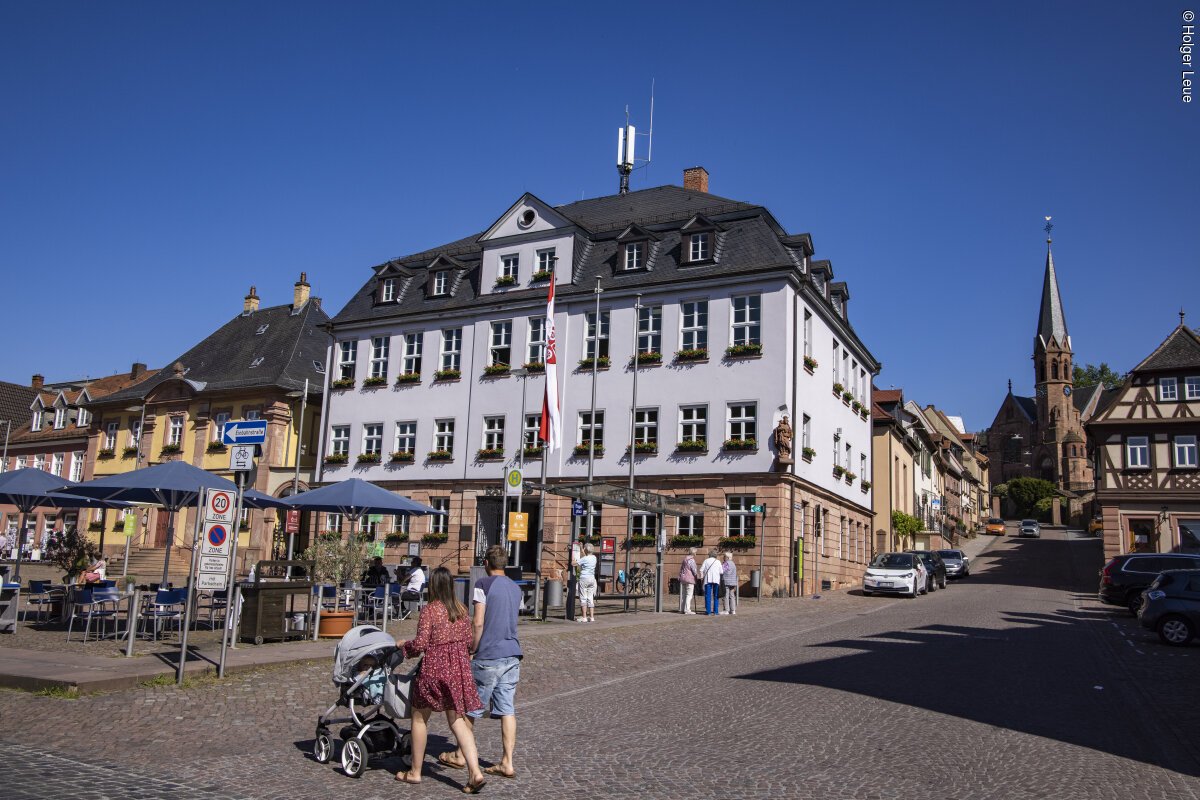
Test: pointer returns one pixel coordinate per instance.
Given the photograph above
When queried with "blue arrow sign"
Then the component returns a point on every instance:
(245, 432)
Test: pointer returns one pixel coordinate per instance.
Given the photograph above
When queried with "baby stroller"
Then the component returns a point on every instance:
(376, 696)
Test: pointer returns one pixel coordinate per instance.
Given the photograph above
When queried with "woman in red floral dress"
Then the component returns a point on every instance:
(444, 682)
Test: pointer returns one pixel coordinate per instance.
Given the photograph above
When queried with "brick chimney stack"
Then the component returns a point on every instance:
(301, 291)
(696, 179)
(37, 381)
(137, 370)
(251, 302)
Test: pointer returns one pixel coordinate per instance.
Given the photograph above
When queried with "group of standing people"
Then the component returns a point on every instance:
(718, 579)
(450, 680)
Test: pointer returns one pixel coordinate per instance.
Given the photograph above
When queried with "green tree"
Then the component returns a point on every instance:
(71, 551)
(1090, 375)
(1026, 492)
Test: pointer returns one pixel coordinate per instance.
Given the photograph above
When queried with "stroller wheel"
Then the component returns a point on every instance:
(323, 747)
(404, 750)
(354, 758)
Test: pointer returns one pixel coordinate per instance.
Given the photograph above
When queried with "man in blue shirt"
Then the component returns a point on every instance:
(497, 663)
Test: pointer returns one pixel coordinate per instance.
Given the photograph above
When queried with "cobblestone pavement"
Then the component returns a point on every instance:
(1011, 684)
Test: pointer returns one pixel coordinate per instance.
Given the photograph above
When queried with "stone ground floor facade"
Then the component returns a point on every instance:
(1149, 526)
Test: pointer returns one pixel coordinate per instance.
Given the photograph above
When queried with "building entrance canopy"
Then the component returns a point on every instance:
(635, 499)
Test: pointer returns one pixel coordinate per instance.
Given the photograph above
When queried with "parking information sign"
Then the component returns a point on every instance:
(217, 540)
(218, 506)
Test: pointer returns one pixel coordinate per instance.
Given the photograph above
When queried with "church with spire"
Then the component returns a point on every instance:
(1042, 436)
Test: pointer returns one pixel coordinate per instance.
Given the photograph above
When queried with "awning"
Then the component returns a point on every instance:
(637, 499)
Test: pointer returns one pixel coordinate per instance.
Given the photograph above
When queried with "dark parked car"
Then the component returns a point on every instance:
(1171, 606)
(934, 565)
(1125, 577)
(957, 563)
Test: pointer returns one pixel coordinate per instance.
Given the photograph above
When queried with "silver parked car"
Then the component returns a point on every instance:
(957, 563)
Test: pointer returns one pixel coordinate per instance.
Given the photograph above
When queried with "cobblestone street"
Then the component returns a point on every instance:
(1013, 683)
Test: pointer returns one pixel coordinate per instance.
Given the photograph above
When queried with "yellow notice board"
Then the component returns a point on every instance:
(130, 525)
(518, 526)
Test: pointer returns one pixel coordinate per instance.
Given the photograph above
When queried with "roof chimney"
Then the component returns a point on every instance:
(696, 179)
(37, 381)
(137, 370)
(251, 304)
(301, 290)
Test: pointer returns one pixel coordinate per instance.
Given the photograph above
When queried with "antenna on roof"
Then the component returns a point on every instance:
(626, 139)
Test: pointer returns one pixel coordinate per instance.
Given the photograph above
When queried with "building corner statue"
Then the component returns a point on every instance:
(783, 441)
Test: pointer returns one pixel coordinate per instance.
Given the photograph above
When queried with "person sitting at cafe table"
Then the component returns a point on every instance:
(415, 581)
(376, 574)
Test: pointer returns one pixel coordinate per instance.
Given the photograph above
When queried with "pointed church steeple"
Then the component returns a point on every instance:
(1052, 323)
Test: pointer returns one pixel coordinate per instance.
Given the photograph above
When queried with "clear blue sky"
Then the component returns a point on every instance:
(158, 158)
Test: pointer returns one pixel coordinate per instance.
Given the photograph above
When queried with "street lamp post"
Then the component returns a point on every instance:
(576, 522)
(299, 448)
(137, 463)
(637, 310)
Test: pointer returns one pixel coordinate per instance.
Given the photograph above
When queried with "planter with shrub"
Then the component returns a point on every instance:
(447, 375)
(740, 444)
(408, 377)
(692, 446)
(691, 354)
(342, 383)
(743, 351)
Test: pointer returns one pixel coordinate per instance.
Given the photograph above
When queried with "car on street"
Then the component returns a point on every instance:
(895, 573)
(1096, 525)
(994, 526)
(934, 566)
(1123, 578)
(957, 563)
(1171, 606)
(1029, 528)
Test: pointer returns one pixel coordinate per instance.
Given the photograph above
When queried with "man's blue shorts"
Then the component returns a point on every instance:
(496, 679)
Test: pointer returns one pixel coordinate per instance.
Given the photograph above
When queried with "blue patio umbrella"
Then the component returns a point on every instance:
(252, 498)
(354, 497)
(172, 485)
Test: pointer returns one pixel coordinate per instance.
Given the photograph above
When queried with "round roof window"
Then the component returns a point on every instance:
(527, 218)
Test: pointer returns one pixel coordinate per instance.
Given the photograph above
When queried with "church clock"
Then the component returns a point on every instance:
(1067, 391)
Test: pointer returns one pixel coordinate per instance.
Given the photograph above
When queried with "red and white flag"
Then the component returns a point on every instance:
(551, 427)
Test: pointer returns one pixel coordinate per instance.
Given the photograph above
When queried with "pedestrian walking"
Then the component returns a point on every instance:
(688, 573)
(710, 573)
(729, 583)
(497, 664)
(444, 682)
(587, 582)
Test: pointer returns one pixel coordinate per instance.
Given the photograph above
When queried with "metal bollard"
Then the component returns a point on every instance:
(131, 624)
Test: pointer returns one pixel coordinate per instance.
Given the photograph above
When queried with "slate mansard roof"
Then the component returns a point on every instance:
(15, 400)
(747, 239)
(291, 346)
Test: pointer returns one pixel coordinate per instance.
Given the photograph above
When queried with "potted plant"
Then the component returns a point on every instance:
(395, 539)
(534, 452)
(374, 382)
(337, 458)
(434, 539)
(810, 364)
(740, 444)
(408, 377)
(496, 370)
(439, 455)
(838, 389)
(686, 540)
(342, 383)
(642, 541)
(506, 280)
(403, 456)
(808, 453)
(368, 458)
(866, 485)
(129, 452)
(216, 447)
(542, 275)
(736, 542)
(847, 397)
(644, 448)
(652, 357)
(489, 453)
(72, 552)
(586, 363)
(851, 477)
(838, 470)
(743, 350)
(107, 452)
(167, 450)
(691, 354)
(534, 367)
(692, 446)
(337, 561)
(582, 450)
(447, 374)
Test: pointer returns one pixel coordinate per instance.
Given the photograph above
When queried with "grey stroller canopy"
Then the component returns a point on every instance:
(358, 642)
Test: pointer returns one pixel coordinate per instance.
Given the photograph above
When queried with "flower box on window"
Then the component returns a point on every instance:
(652, 357)
(847, 397)
(337, 458)
(865, 412)
(408, 377)
(107, 452)
(167, 450)
(506, 280)
(217, 447)
(839, 471)
(244, 525)
(534, 452)
(743, 350)
(434, 539)
(692, 446)
(542, 275)
(403, 456)
(691, 355)
(808, 453)
(439, 455)
(810, 364)
(838, 389)
(447, 374)
(368, 458)
(644, 448)
(586, 363)
(132, 451)
(395, 539)
(97, 526)
(686, 540)
(119, 525)
(490, 453)
(642, 541)
(851, 477)
(736, 542)
(865, 485)
(534, 366)
(740, 444)
(496, 370)
(857, 406)
(342, 383)
(371, 383)
(581, 450)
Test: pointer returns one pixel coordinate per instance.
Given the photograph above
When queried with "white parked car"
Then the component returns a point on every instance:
(895, 573)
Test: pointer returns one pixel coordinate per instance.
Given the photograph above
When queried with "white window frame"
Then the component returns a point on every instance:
(808, 317)
(111, 429)
(339, 440)
(535, 341)
(443, 435)
(649, 327)
(372, 438)
(1137, 452)
(595, 429)
(441, 283)
(19, 462)
(387, 291)
(56, 464)
(347, 359)
(60, 417)
(693, 423)
(35, 424)
(635, 256)
(411, 365)
(1191, 387)
(589, 334)
(510, 265)
(39, 461)
(745, 319)
(175, 431)
(77, 460)
(700, 246)
(531, 431)
(690, 524)
(645, 426)
(493, 432)
(82, 417)
(405, 437)
(500, 343)
(219, 420)
(740, 425)
(693, 325)
(644, 524)
(1183, 448)
(546, 259)
(451, 351)
(1168, 389)
(739, 519)
(805, 432)
(440, 523)
(381, 348)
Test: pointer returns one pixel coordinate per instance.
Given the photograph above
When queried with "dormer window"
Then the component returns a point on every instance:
(82, 418)
(509, 265)
(441, 282)
(700, 246)
(256, 362)
(60, 418)
(635, 255)
(36, 423)
(387, 290)
(262, 329)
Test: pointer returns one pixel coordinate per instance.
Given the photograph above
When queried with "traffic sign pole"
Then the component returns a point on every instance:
(231, 609)
(189, 593)
(762, 542)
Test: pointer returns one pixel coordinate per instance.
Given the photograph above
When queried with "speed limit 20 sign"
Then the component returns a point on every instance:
(218, 506)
